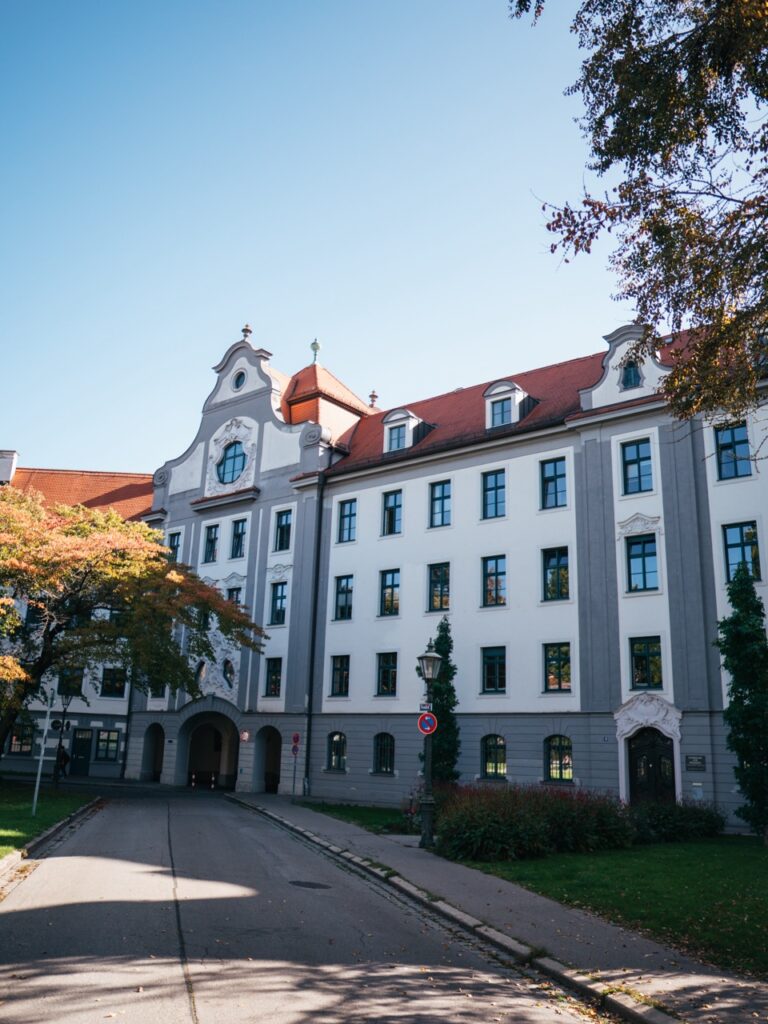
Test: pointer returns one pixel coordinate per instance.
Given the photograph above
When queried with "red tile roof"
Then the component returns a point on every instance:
(314, 381)
(130, 494)
(459, 416)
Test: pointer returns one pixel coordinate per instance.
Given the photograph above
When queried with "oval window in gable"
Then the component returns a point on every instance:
(231, 464)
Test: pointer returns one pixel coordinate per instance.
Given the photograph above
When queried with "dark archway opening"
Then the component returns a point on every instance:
(213, 751)
(154, 751)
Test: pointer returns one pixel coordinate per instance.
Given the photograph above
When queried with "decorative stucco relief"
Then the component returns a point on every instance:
(647, 710)
(639, 523)
(235, 430)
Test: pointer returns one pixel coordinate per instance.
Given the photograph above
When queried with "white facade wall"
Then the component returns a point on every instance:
(523, 626)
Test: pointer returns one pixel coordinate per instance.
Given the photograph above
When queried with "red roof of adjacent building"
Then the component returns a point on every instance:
(130, 494)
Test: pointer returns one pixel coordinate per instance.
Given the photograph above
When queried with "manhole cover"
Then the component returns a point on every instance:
(311, 885)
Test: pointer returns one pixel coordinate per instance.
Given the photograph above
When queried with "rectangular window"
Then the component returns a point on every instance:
(494, 669)
(70, 682)
(553, 491)
(439, 587)
(174, 543)
(283, 530)
(211, 543)
(389, 592)
(396, 438)
(107, 742)
(636, 469)
(22, 738)
(157, 690)
(113, 682)
(557, 668)
(347, 520)
(235, 594)
(392, 513)
(237, 549)
(340, 675)
(501, 412)
(555, 566)
(277, 607)
(440, 503)
(273, 676)
(645, 657)
(732, 447)
(494, 581)
(642, 567)
(494, 494)
(741, 549)
(343, 603)
(386, 675)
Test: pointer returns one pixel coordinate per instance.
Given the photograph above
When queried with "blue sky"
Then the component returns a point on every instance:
(369, 174)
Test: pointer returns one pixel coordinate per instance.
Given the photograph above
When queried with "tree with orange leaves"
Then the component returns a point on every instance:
(79, 587)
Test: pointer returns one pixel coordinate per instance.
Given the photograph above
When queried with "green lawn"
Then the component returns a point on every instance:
(374, 819)
(709, 898)
(17, 826)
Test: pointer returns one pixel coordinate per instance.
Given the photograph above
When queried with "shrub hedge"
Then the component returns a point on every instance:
(487, 823)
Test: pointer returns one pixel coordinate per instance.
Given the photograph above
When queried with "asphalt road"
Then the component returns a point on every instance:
(190, 910)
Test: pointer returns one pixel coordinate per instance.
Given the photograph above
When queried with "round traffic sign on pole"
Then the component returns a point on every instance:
(427, 723)
(296, 738)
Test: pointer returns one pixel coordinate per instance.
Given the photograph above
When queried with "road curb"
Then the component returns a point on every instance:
(620, 1003)
(12, 860)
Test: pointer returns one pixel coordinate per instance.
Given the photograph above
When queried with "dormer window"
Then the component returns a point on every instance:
(630, 376)
(396, 438)
(402, 429)
(504, 404)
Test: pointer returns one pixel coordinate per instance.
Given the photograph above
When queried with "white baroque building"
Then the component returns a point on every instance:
(578, 539)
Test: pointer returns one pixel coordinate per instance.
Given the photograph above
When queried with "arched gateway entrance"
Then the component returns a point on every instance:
(209, 745)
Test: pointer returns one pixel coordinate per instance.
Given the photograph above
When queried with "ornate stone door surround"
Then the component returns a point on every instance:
(641, 711)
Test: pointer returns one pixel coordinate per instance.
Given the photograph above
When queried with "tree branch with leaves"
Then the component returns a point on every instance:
(83, 587)
(675, 102)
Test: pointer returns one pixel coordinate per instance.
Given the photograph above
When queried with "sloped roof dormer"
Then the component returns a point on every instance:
(505, 403)
(402, 429)
(624, 379)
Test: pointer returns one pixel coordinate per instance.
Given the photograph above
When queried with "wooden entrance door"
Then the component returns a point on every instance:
(651, 767)
(80, 752)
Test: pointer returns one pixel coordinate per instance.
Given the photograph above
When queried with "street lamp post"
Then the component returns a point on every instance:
(66, 700)
(429, 663)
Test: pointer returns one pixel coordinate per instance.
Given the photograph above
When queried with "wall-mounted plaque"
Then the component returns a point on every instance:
(695, 763)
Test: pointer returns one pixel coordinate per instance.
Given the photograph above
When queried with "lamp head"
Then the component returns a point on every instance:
(429, 663)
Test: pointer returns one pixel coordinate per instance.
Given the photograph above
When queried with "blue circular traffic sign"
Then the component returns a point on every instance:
(427, 723)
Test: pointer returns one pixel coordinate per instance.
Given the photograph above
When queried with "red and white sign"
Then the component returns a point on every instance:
(427, 723)
(295, 738)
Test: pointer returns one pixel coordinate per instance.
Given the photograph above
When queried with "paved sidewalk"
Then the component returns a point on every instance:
(618, 959)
